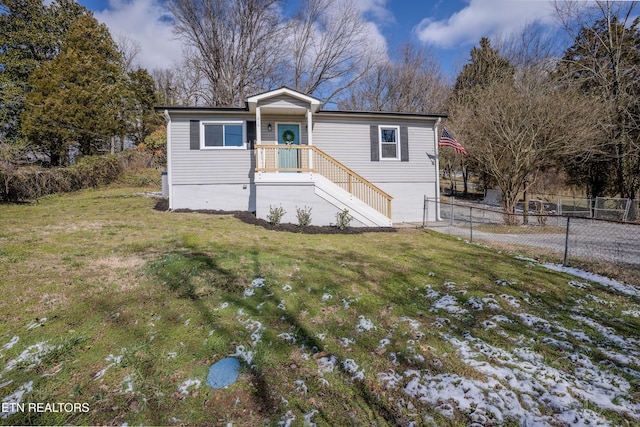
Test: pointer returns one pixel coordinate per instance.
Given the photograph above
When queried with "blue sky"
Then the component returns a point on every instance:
(450, 28)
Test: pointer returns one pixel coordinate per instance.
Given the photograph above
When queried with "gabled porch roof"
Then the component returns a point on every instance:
(272, 102)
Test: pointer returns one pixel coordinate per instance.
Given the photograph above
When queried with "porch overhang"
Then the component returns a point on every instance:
(263, 102)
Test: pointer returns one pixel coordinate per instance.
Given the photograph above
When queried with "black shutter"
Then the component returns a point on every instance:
(375, 142)
(251, 134)
(194, 134)
(404, 144)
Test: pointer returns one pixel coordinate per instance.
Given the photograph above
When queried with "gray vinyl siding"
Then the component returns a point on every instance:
(213, 166)
(348, 141)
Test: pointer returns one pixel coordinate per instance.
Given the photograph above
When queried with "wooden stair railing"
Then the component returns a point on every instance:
(305, 158)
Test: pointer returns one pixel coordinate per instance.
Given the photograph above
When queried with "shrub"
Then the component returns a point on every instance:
(304, 216)
(275, 215)
(343, 219)
(31, 182)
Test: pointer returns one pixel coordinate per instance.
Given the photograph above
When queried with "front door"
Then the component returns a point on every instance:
(288, 136)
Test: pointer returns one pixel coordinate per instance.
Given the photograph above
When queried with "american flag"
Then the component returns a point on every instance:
(448, 140)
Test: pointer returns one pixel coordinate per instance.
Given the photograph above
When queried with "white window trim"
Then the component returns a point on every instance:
(223, 122)
(397, 129)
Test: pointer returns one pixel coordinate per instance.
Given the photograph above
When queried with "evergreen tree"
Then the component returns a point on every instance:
(78, 97)
(30, 35)
(486, 67)
(143, 119)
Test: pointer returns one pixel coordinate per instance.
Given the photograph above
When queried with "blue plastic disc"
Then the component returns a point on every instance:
(223, 373)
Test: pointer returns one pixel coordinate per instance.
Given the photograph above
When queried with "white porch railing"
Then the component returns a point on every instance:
(306, 158)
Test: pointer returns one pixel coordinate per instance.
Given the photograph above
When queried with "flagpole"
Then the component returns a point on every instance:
(436, 147)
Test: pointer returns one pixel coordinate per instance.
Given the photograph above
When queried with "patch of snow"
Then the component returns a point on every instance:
(287, 287)
(127, 384)
(37, 323)
(534, 321)
(256, 329)
(285, 336)
(287, 419)
(222, 306)
(620, 341)
(32, 355)
(392, 379)
(383, 343)
(347, 302)
(492, 304)
(115, 360)
(326, 297)
(578, 285)
(501, 319)
(184, 387)
(346, 342)
(258, 283)
(562, 345)
(511, 300)
(307, 418)
(596, 278)
(301, 387)
(14, 398)
(488, 324)
(327, 363)
(431, 293)
(632, 313)
(352, 367)
(365, 324)
(13, 341)
(244, 354)
(475, 303)
(448, 303)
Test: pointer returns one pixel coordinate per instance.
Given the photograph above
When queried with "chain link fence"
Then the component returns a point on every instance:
(570, 236)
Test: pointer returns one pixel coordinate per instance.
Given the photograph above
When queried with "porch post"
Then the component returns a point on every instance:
(258, 138)
(310, 135)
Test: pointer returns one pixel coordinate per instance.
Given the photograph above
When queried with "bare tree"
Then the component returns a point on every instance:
(129, 50)
(238, 43)
(535, 45)
(515, 129)
(330, 47)
(414, 83)
(605, 59)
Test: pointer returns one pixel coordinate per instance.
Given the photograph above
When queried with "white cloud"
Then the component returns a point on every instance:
(377, 8)
(148, 23)
(482, 18)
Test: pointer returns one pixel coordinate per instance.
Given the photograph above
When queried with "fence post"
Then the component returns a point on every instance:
(425, 212)
(566, 244)
(625, 216)
(470, 224)
(452, 202)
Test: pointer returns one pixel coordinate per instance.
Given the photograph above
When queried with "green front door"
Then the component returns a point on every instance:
(288, 136)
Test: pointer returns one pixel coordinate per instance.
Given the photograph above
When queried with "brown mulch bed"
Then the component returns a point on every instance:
(250, 218)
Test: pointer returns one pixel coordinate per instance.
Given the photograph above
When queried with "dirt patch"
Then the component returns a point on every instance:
(250, 218)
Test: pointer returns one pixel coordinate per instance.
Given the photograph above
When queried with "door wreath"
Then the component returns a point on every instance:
(288, 136)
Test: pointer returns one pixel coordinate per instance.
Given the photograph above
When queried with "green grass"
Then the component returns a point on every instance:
(120, 306)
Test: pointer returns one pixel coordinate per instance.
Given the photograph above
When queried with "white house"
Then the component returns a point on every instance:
(283, 150)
